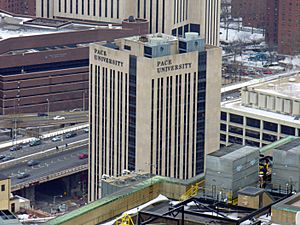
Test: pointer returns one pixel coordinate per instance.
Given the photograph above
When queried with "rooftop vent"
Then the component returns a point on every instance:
(131, 19)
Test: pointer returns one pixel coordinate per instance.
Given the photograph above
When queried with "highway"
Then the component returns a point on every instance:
(32, 120)
(46, 144)
(50, 165)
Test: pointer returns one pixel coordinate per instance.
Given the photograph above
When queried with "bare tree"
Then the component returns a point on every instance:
(226, 15)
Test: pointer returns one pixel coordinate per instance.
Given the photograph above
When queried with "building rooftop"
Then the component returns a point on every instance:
(290, 204)
(236, 105)
(11, 27)
(234, 151)
(283, 87)
(293, 146)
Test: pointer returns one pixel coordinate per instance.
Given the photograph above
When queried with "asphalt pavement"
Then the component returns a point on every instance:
(47, 166)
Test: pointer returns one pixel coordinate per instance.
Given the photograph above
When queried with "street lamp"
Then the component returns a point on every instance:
(56, 196)
(48, 107)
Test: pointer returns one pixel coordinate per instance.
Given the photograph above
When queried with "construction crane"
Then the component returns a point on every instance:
(125, 220)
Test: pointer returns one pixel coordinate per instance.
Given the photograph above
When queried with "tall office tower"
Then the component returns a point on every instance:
(174, 17)
(154, 106)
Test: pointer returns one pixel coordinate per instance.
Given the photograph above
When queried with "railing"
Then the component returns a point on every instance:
(47, 178)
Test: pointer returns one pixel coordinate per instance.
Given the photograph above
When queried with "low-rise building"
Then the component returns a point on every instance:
(45, 62)
(265, 113)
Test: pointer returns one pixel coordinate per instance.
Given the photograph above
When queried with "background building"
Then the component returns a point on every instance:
(24, 7)
(154, 106)
(44, 62)
(252, 12)
(4, 192)
(166, 16)
(265, 113)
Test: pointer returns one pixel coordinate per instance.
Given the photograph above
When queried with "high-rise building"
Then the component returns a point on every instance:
(25, 7)
(154, 106)
(174, 17)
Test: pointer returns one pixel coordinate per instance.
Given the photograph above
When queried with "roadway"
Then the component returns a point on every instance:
(32, 120)
(55, 163)
(46, 144)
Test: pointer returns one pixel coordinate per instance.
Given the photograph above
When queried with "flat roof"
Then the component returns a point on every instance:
(233, 152)
(236, 105)
(11, 27)
(291, 204)
(283, 86)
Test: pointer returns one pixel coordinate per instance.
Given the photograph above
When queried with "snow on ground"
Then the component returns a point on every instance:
(243, 36)
(293, 60)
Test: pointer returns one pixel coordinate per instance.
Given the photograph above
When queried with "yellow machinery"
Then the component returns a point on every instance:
(125, 220)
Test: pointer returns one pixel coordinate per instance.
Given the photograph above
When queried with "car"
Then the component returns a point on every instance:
(268, 72)
(42, 114)
(2, 157)
(86, 130)
(15, 148)
(59, 118)
(32, 162)
(83, 156)
(75, 110)
(57, 138)
(23, 175)
(35, 142)
(71, 134)
(7, 158)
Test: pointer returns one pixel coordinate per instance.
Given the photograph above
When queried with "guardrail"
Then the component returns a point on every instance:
(49, 177)
(45, 135)
(43, 154)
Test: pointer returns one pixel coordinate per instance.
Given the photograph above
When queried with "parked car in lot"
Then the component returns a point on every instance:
(32, 162)
(23, 175)
(35, 142)
(57, 138)
(83, 156)
(2, 157)
(7, 158)
(59, 118)
(15, 148)
(71, 134)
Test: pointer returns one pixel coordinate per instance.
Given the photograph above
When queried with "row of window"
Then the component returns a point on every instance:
(251, 122)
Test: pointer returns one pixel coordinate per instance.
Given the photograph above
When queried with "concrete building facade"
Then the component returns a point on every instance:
(266, 112)
(174, 17)
(154, 106)
(4, 192)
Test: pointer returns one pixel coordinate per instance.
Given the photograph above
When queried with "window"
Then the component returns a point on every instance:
(3, 187)
(235, 130)
(270, 126)
(236, 119)
(253, 122)
(127, 47)
(223, 127)
(269, 137)
(287, 130)
(223, 116)
(236, 140)
(253, 134)
(223, 137)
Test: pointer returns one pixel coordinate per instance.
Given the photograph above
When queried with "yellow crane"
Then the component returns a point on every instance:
(125, 220)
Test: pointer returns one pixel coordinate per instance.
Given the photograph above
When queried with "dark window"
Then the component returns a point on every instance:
(71, 6)
(222, 137)
(3, 187)
(252, 143)
(180, 31)
(182, 44)
(236, 119)
(147, 50)
(76, 6)
(253, 122)
(253, 134)
(236, 130)
(59, 5)
(236, 140)
(195, 27)
(223, 116)
(82, 5)
(269, 137)
(287, 130)
(270, 126)
(127, 47)
(223, 127)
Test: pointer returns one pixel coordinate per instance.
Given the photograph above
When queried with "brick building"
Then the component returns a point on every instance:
(48, 66)
(253, 12)
(25, 7)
